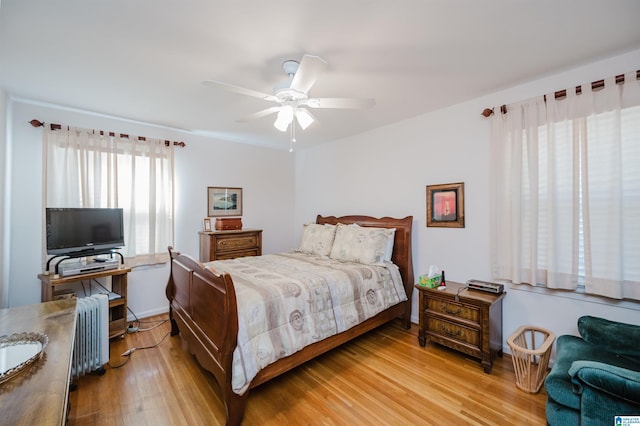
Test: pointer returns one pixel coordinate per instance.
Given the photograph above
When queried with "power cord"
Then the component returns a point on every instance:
(100, 285)
(130, 352)
(134, 326)
(460, 290)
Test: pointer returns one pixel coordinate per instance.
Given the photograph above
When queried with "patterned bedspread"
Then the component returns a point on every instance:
(289, 300)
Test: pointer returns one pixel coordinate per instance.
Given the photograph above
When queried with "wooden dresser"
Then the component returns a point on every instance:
(39, 395)
(220, 245)
(468, 321)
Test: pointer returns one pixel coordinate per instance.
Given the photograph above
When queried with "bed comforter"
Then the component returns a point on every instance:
(289, 300)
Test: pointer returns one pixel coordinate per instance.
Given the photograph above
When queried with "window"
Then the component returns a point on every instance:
(566, 191)
(85, 168)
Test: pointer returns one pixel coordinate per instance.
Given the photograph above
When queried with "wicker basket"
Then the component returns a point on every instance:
(530, 351)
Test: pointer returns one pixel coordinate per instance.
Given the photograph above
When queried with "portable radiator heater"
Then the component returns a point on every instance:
(91, 347)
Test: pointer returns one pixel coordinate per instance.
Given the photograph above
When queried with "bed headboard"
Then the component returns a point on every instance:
(402, 255)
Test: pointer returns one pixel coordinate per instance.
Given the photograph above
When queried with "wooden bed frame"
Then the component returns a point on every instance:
(203, 310)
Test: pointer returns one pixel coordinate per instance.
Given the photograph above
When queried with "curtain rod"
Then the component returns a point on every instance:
(595, 85)
(38, 123)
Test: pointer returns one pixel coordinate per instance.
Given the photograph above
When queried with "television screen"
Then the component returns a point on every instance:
(78, 230)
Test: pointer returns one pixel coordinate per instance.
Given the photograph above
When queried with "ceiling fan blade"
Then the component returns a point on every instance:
(340, 103)
(240, 90)
(308, 71)
(258, 114)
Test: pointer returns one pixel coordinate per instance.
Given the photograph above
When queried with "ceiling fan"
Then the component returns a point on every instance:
(293, 95)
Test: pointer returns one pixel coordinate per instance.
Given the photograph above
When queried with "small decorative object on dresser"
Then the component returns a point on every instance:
(219, 245)
(469, 322)
(207, 224)
(228, 223)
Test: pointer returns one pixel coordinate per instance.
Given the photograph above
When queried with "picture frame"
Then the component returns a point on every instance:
(445, 205)
(223, 201)
(207, 224)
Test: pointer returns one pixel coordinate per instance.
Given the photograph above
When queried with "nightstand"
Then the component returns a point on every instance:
(220, 245)
(468, 321)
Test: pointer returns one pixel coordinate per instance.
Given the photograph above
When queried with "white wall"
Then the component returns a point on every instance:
(3, 148)
(266, 176)
(385, 172)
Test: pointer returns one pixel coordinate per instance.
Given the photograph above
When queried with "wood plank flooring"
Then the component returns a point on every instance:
(381, 378)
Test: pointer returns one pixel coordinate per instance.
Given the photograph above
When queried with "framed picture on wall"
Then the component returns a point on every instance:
(445, 205)
(224, 201)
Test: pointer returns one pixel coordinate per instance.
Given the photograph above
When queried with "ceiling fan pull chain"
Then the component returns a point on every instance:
(293, 135)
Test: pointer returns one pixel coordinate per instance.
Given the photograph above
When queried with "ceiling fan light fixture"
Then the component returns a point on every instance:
(304, 118)
(285, 117)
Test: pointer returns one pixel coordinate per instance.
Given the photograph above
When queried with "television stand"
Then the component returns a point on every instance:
(117, 305)
(79, 254)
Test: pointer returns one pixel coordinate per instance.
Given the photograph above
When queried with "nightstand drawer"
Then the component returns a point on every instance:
(455, 331)
(455, 309)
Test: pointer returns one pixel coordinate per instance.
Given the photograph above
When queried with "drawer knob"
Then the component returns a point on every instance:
(443, 306)
(449, 332)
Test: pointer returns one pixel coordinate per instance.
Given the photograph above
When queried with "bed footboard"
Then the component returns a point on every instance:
(203, 310)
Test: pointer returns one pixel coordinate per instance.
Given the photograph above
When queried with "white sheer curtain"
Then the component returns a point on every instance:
(565, 202)
(86, 169)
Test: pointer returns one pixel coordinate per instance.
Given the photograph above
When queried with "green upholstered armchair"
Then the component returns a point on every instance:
(595, 377)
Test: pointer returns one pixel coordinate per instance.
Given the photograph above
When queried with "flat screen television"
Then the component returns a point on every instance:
(83, 231)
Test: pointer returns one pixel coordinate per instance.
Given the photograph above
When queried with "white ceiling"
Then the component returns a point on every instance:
(145, 60)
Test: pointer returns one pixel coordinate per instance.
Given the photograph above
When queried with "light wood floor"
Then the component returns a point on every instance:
(383, 378)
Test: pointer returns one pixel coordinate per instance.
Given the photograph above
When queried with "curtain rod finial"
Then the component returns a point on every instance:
(487, 112)
(36, 123)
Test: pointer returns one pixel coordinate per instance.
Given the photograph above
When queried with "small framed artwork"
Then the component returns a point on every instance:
(224, 201)
(207, 224)
(445, 205)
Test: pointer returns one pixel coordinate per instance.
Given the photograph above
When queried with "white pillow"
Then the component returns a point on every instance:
(388, 250)
(317, 239)
(362, 244)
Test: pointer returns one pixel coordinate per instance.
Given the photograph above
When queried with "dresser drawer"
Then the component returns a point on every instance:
(235, 254)
(236, 243)
(455, 331)
(455, 309)
(220, 245)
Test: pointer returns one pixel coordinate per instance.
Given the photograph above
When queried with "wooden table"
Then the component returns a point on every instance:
(40, 394)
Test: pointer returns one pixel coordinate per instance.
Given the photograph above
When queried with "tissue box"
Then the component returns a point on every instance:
(430, 282)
